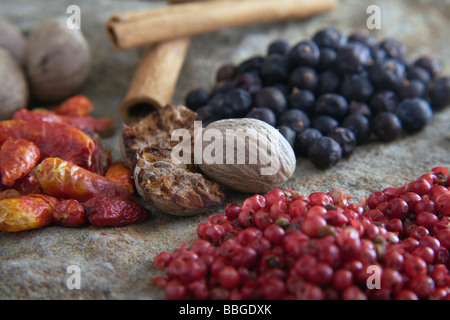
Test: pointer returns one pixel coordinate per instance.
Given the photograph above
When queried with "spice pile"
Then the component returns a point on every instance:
(52, 171)
(329, 94)
(393, 245)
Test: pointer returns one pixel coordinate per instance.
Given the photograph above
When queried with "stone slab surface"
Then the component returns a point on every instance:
(116, 263)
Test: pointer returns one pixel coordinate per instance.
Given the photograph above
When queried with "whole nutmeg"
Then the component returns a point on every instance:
(246, 155)
(12, 39)
(13, 86)
(57, 61)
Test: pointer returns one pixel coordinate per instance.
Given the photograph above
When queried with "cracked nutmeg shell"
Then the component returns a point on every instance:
(155, 129)
(173, 187)
(247, 155)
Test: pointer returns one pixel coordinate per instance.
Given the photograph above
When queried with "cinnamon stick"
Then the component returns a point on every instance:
(147, 91)
(130, 29)
(182, 1)
(155, 79)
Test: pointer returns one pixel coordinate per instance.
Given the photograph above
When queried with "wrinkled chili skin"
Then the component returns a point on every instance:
(121, 174)
(17, 158)
(66, 180)
(52, 201)
(69, 213)
(98, 153)
(52, 139)
(28, 184)
(26, 212)
(114, 212)
(9, 193)
(79, 122)
(78, 105)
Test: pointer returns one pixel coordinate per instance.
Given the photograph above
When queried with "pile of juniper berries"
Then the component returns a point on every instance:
(329, 94)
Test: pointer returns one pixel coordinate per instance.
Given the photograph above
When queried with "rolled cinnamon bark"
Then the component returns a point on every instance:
(155, 78)
(130, 29)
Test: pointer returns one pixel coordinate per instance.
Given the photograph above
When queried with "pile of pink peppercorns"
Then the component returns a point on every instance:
(393, 245)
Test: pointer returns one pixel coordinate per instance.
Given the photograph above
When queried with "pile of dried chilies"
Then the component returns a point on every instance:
(52, 168)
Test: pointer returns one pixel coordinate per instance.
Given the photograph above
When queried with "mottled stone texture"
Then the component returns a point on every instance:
(116, 263)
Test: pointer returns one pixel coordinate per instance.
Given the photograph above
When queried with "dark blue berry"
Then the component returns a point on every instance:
(248, 81)
(274, 69)
(303, 100)
(327, 59)
(303, 78)
(287, 133)
(304, 53)
(197, 98)
(357, 87)
(272, 98)
(226, 72)
(359, 107)
(439, 93)
(279, 47)
(333, 105)
(359, 125)
(329, 37)
(325, 152)
(414, 114)
(304, 140)
(295, 119)
(353, 58)
(411, 89)
(263, 114)
(251, 65)
(217, 103)
(378, 54)
(386, 126)
(432, 65)
(394, 49)
(384, 100)
(239, 101)
(205, 112)
(324, 124)
(222, 87)
(328, 82)
(388, 74)
(363, 37)
(346, 139)
(284, 88)
(418, 73)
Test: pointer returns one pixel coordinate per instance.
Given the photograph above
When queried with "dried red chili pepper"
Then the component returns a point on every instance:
(9, 193)
(26, 212)
(121, 174)
(114, 212)
(69, 213)
(17, 158)
(52, 139)
(78, 105)
(98, 153)
(80, 122)
(29, 184)
(66, 180)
